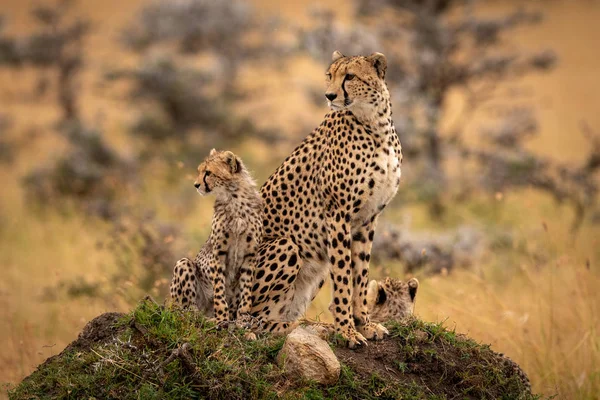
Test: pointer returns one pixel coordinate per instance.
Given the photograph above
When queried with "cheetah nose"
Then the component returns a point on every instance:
(196, 185)
(330, 96)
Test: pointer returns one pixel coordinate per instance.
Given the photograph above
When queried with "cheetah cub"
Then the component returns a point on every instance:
(219, 280)
(391, 299)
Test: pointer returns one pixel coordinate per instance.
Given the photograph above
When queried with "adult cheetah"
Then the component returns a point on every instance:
(219, 280)
(322, 204)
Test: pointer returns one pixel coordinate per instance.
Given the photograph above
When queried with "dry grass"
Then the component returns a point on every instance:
(546, 320)
(36, 253)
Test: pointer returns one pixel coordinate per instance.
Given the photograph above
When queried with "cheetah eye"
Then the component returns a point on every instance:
(207, 173)
(328, 75)
(349, 77)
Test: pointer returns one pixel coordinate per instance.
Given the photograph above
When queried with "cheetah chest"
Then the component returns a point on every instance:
(383, 183)
(239, 245)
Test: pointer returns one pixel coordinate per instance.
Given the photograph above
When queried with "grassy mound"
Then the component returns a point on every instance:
(157, 353)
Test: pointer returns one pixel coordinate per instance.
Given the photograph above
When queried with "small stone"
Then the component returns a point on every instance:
(307, 356)
(421, 336)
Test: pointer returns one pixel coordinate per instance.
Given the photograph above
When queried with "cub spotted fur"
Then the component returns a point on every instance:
(391, 299)
(219, 280)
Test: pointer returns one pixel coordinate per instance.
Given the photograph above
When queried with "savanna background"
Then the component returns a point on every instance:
(106, 108)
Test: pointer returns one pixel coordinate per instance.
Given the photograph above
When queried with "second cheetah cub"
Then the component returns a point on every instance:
(219, 280)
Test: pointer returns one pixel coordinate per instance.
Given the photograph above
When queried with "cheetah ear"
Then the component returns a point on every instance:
(413, 285)
(212, 152)
(235, 164)
(336, 56)
(380, 63)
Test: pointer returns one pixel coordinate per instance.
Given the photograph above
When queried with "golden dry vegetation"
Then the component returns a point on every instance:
(537, 299)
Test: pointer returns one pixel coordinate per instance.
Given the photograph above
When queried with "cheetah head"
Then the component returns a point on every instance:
(217, 170)
(357, 83)
(391, 299)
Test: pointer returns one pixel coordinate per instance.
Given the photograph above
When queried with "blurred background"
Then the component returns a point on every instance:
(107, 107)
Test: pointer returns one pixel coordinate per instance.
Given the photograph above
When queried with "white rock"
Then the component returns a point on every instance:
(305, 355)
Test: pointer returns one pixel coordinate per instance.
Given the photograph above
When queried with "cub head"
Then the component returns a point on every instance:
(391, 299)
(357, 83)
(217, 170)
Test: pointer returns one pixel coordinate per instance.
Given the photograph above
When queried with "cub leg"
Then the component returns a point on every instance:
(243, 293)
(217, 274)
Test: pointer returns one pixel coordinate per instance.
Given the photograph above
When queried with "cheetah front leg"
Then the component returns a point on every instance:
(339, 253)
(217, 273)
(243, 318)
(362, 241)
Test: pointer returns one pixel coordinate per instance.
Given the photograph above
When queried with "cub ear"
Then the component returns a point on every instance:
(212, 152)
(381, 296)
(376, 294)
(336, 56)
(235, 164)
(380, 63)
(413, 285)
(372, 289)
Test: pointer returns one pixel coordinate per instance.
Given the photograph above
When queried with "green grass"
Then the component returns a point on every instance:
(420, 361)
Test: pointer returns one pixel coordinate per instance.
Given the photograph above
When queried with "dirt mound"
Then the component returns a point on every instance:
(98, 331)
(154, 352)
(439, 361)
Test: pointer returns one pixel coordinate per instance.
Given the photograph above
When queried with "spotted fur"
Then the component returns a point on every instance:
(391, 299)
(219, 280)
(322, 204)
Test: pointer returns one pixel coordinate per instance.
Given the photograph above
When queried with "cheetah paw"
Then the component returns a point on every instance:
(372, 331)
(353, 338)
(250, 336)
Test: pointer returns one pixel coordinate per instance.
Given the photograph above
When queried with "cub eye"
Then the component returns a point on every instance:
(349, 77)
(328, 75)
(207, 173)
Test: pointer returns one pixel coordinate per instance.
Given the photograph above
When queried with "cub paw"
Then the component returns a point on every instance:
(245, 321)
(371, 331)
